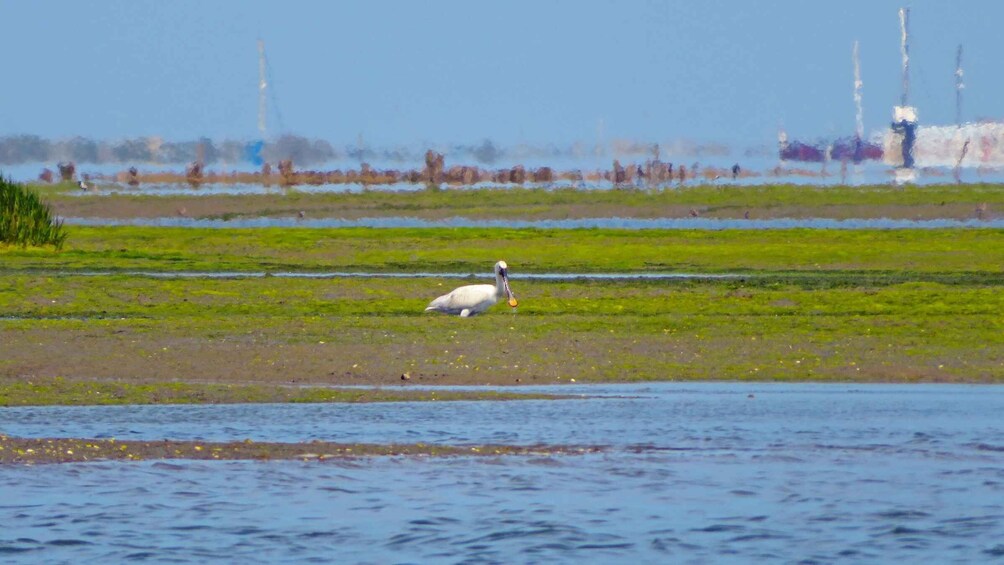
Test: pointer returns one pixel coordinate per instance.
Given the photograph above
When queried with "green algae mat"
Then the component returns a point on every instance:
(475, 250)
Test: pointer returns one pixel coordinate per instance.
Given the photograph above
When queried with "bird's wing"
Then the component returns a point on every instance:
(440, 303)
(458, 299)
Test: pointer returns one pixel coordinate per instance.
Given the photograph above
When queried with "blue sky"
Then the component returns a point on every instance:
(403, 72)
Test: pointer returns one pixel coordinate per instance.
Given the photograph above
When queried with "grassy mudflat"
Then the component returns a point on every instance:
(716, 201)
(909, 305)
(69, 450)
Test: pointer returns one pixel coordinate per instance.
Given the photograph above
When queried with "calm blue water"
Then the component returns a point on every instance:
(692, 473)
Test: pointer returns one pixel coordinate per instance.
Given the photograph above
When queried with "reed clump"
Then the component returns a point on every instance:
(26, 220)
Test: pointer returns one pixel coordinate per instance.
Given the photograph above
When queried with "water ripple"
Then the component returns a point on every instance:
(693, 474)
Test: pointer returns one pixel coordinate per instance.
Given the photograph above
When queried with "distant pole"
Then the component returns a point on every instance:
(600, 135)
(859, 121)
(959, 85)
(262, 84)
(904, 24)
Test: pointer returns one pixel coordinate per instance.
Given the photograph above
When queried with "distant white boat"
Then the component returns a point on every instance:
(907, 144)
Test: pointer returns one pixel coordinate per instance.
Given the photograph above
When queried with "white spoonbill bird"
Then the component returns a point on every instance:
(476, 298)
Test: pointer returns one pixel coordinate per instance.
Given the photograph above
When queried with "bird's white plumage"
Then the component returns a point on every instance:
(475, 298)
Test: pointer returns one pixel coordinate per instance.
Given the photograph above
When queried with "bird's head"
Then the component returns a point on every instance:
(502, 272)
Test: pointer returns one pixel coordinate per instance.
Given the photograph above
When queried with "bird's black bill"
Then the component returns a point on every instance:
(509, 294)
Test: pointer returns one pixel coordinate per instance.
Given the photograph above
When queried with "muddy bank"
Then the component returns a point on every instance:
(75, 392)
(960, 202)
(346, 358)
(315, 206)
(75, 450)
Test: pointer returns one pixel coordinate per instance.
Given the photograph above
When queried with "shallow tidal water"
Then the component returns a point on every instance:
(691, 473)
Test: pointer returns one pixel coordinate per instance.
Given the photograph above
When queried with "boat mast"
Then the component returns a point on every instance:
(959, 85)
(859, 124)
(262, 84)
(904, 23)
(904, 121)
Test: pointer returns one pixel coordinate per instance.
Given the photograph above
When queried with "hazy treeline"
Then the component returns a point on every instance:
(22, 149)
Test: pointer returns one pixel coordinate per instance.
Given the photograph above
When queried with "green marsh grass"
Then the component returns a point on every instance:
(25, 220)
(894, 253)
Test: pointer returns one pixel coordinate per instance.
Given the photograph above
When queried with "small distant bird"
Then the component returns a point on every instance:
(694, 213)
(746, 215)
(475, 298)
(182, 211)
(301, 214)
(83, 185)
